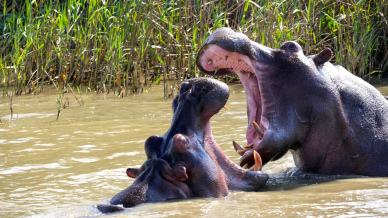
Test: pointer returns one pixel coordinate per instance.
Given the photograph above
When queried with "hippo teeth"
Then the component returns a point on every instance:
(241, 150)
(238, 148)
(258, 162)
(256, 156)
(259, 129)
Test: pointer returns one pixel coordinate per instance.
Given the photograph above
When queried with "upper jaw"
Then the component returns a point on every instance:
(199, 99)
(233, 42)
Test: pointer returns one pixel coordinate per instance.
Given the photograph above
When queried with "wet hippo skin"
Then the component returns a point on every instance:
(186, 161)
(332, 121)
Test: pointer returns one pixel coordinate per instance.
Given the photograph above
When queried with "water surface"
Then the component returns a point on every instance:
(62, 168)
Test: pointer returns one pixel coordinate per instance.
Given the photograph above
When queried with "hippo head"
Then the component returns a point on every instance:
(156, 180)
(178, 165)
(272, 79)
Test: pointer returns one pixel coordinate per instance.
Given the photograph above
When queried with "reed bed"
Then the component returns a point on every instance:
(124, 46)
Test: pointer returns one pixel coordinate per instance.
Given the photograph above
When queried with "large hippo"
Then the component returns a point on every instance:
(187, 162)
(332, 121)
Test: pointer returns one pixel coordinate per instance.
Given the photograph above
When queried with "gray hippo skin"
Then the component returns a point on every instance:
(187, 162)
(332, 121)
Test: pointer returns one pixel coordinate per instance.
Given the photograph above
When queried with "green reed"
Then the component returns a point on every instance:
(124, 46)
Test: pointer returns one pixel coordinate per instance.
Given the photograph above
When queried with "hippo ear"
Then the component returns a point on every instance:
(323, 56)
(153, 147)
(133, 172)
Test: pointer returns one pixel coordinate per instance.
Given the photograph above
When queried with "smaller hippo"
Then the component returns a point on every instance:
(187, 162)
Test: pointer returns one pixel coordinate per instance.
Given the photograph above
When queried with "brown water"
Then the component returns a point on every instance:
(62, 168)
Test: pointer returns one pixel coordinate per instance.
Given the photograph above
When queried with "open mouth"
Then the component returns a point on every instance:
(215, 60)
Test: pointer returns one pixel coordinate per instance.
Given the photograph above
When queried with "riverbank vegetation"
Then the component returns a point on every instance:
(124, 46)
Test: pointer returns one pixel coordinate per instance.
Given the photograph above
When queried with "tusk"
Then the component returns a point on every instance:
(257, 127)
(258, 162)
(238, 148)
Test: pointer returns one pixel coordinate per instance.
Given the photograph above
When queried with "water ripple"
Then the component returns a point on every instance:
(29, 167)
(86, 160)
(21, 140)
(131, 153)
(27, 115)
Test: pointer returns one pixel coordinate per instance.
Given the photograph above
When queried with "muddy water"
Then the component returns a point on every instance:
(62, 168)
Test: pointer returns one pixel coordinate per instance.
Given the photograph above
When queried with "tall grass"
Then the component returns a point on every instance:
(124, 46)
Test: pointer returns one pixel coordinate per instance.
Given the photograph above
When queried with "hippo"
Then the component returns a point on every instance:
(333, 122)
(186, 161)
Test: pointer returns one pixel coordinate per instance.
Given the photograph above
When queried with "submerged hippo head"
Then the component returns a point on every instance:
(276, 83)
(186, 162)
(156, 180)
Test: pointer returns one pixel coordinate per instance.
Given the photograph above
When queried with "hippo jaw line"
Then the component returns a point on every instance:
(213, 59)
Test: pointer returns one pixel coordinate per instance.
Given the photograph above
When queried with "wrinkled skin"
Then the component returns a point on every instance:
(331, 120)
(186, 162)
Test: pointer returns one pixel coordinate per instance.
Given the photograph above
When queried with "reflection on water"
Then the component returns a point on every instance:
(62, 168)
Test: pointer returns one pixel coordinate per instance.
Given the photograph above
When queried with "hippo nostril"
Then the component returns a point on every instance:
(180, 172)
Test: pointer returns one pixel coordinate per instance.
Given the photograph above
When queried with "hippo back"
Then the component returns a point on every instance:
(366, 111)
